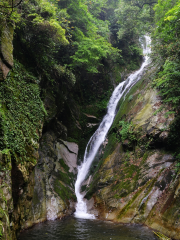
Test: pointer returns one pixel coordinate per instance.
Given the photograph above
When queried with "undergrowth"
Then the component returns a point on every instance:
(22, 113)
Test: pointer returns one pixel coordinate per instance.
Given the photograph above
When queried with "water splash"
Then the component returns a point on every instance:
(99, 136)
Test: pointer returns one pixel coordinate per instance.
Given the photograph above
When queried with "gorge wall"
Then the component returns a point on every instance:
(43, 128)
(137, 179)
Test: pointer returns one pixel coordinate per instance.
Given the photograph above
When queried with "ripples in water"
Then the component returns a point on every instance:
(85, 229)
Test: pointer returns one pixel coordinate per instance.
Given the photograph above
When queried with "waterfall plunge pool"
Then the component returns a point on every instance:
(86, 229)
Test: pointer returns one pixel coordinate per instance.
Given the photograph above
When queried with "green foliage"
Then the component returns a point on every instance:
(5, 163)
(22, 113)
(132, 19)
(40, 34)
(166, 50)
(62, 190)
(46, 17)
(126, 27)
(166, 33)
(8, 13)
(130, 98)
(63, 164)
(168, 82)
(112, 142)
(1, 229)
(96, 6)
(161, 8)
(126, 131)
(90, 52)
(177, 166)
(90, 35)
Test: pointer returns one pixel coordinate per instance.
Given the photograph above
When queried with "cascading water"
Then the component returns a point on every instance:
(99, 136)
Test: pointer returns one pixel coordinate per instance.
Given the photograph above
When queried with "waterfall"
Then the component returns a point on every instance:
(99, 136)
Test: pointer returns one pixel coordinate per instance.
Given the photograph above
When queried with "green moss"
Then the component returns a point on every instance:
(125, 209)
(69, 139)
(64, 165)
(117, 73)
(112, 142)
(6, 43)
(126, 183)
(1, 229)
(145, 156)
(5, 160)
(35, 199)
(125, 105)
(93, 187)
(65, 178)
(64, 192)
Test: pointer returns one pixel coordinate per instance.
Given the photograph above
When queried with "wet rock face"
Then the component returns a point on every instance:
(137, 181)
(55, 172)
(6, 201)
(6, 49)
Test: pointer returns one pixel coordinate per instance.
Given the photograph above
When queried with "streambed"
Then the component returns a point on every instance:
(86, 229)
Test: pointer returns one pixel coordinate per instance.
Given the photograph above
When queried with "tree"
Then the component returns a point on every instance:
(166, 50)
(7, 8)
(141, 3)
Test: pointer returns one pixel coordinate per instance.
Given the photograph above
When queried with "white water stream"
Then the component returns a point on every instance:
(99, 136)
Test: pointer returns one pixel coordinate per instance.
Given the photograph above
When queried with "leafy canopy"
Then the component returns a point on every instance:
(166, 49)
(90, 51)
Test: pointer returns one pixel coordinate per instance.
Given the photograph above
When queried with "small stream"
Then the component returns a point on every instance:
(86, 229)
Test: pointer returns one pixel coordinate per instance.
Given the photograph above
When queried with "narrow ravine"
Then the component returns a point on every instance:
(99, 136)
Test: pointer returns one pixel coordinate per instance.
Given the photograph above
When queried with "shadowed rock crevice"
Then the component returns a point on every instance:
(17, 183)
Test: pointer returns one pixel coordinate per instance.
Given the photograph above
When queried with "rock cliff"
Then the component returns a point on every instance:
(136, 180)
(42, 127)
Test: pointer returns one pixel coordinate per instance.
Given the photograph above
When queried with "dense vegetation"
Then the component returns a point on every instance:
(72, 44)
(166, 47)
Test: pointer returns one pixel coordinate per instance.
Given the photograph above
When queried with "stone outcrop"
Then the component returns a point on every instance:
(6, 201)
(54, 179)
(137, 181)
(6, 49)
(49, 192)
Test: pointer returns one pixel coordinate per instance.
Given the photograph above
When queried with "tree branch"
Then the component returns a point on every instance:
(137, 4)
(1, 6)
